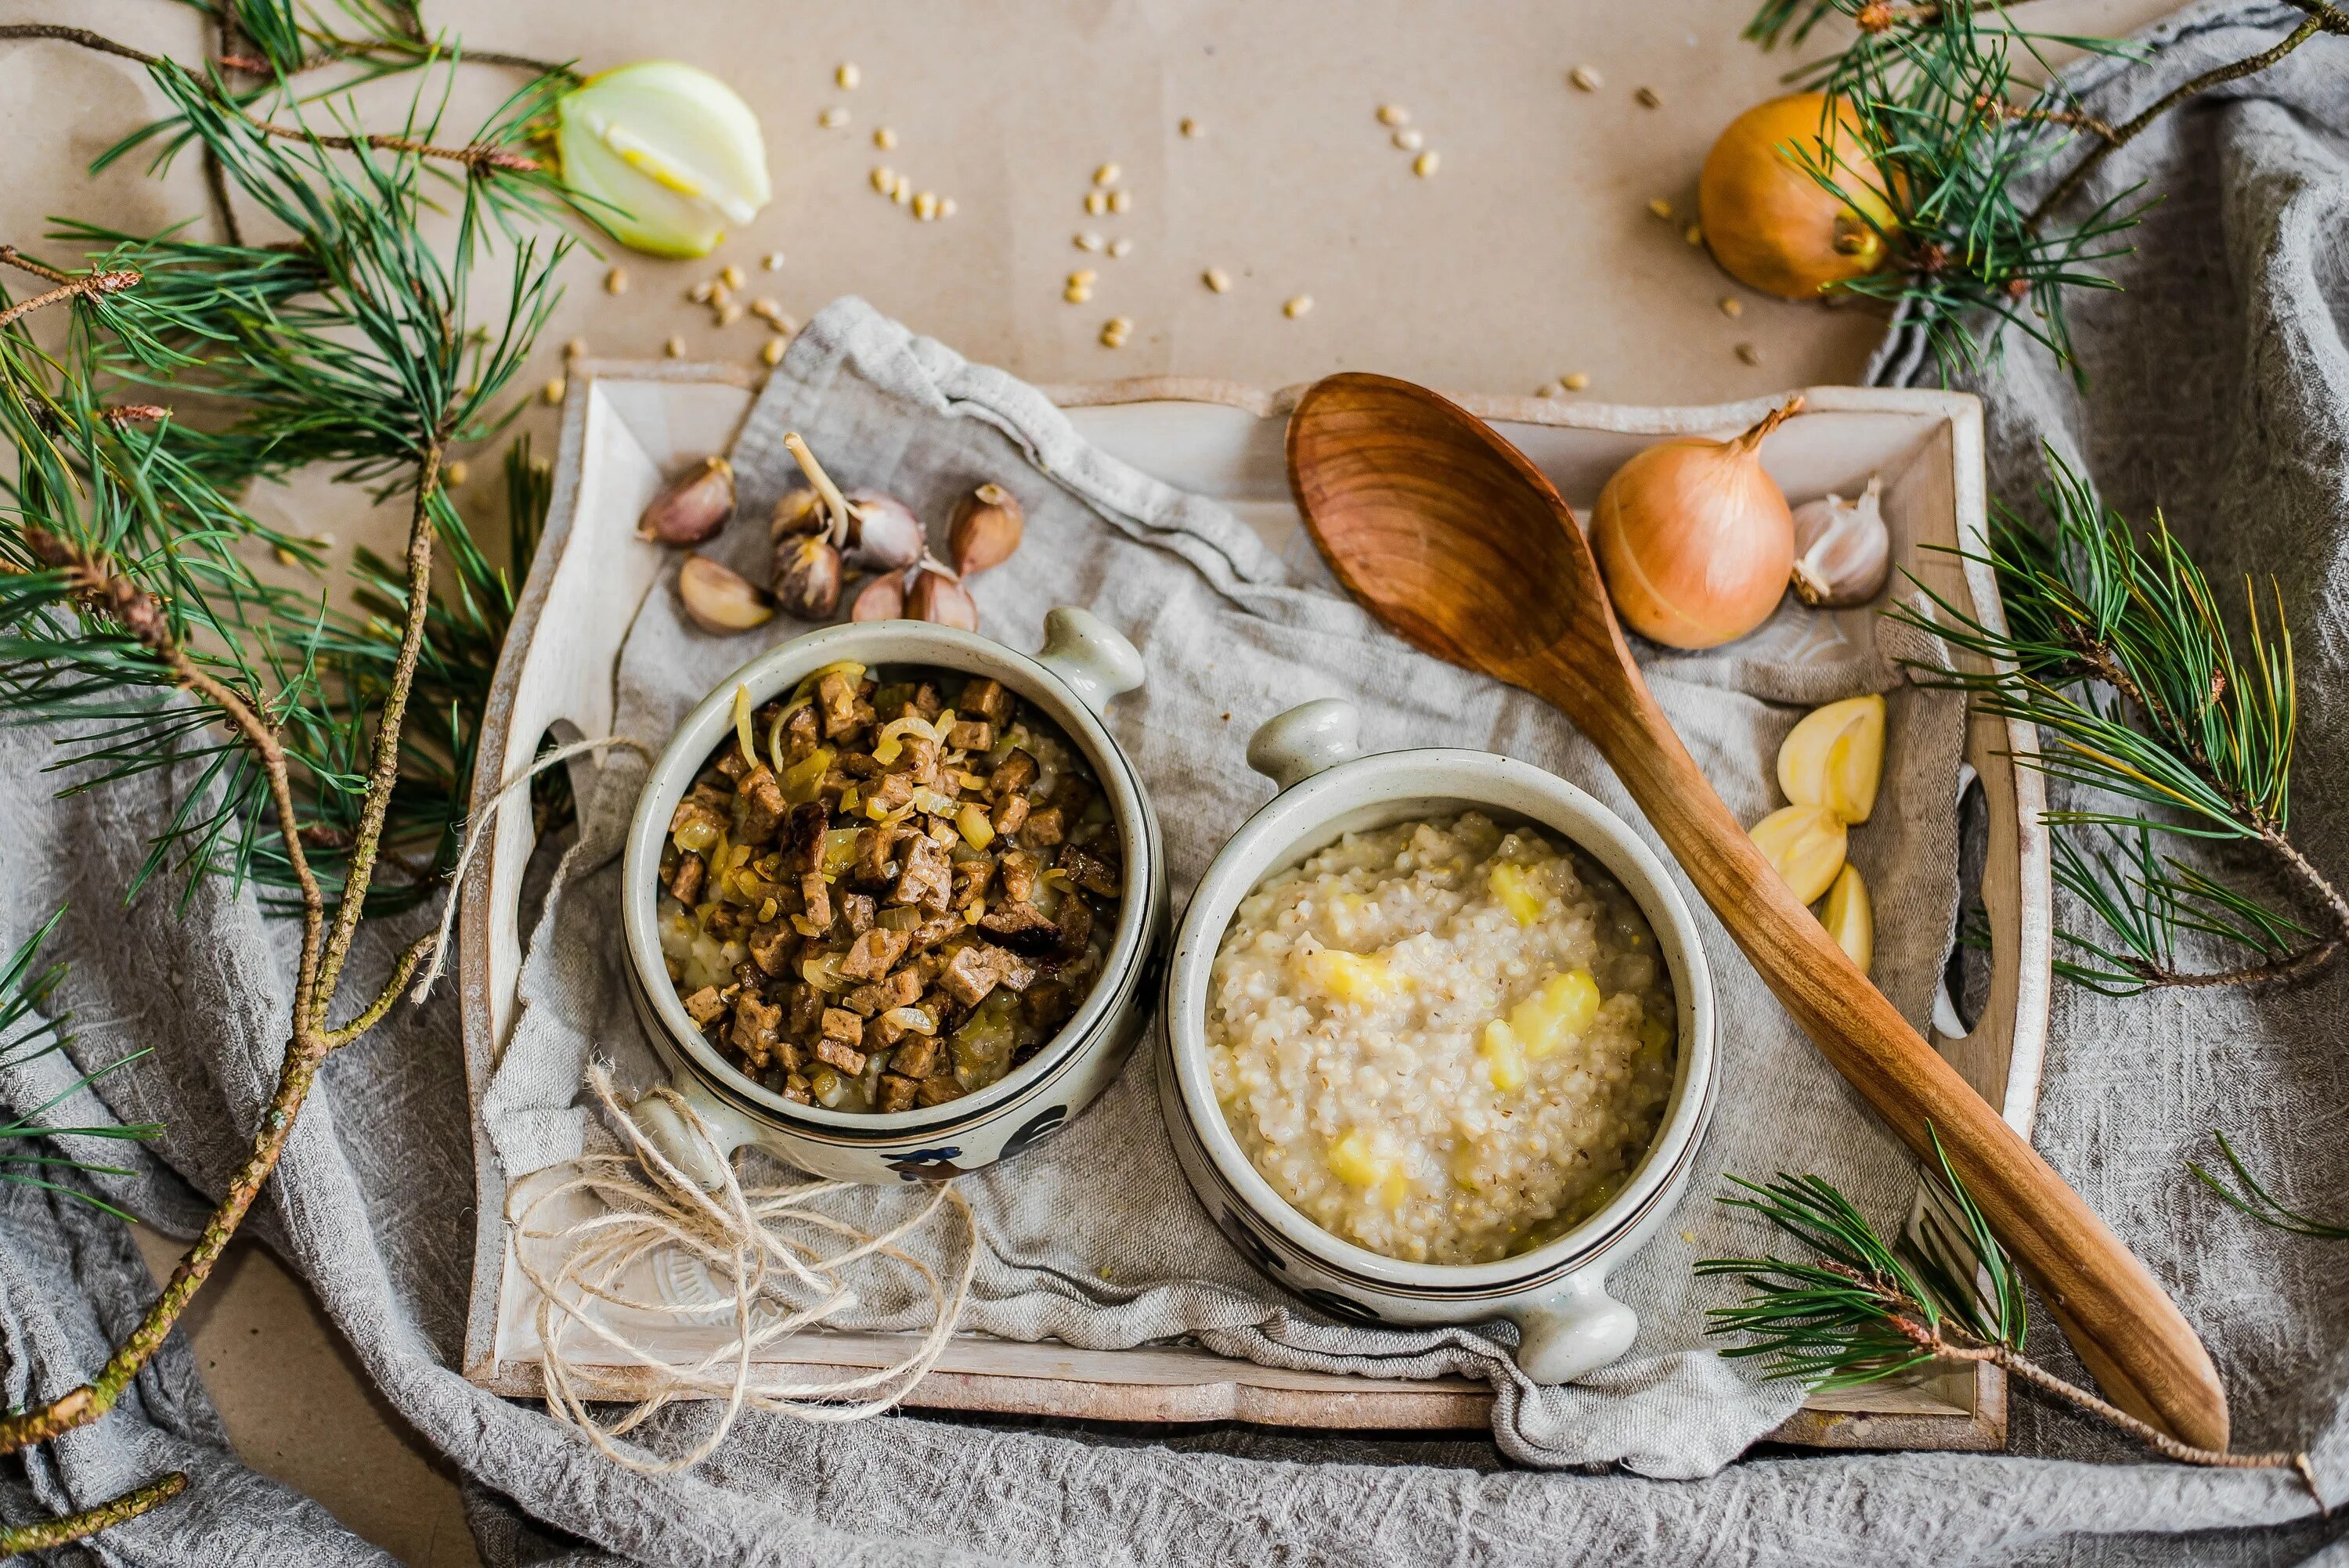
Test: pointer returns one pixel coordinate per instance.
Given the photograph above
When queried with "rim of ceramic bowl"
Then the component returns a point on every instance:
(877, 645)
(1311, 815)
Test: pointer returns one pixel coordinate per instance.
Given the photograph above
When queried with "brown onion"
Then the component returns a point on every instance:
(1695, 538)
(1769, 223)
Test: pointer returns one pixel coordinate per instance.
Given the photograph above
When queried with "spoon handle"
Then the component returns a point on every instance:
(2124, 1327)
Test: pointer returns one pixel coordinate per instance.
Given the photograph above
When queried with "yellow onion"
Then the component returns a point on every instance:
(1695, 538)
(1768, 223)
(662, 156)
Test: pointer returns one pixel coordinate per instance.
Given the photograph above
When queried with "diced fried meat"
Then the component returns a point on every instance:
(806, 1004)
(926, 701)
(987, 699)
(816, 894)
(763, 805)
(902, 989)
(756, 1027)
(840, 1024)
(938, 1091)
(1090, 871)
(772, 946)
(1022, 927)
(1042, 828)
(856, 912)
(837, 697)
(705, 1005)
(1012, 775)
(970, 735)
(893, 791)
(927, 878)
(801, 732)
(803, 832)
(864, 1001)
(897, 1094)
(914, 1055)
(1076, 925)
(874, 954)
(1018, 870)
(873, 861)
(685, 886)
(844, 1056)
(1011, 815)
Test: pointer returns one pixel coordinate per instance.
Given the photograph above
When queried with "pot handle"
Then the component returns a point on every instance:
(703, 1159)
(1095, 661)
(1579, 1329)
(1292, 747)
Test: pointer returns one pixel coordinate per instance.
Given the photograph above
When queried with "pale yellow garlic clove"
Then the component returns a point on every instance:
(1850, 917)
(1834, 758)
(718, 600)
(1804, 844)
(1843, 551)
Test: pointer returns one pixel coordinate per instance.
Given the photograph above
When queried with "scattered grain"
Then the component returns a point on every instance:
(1217, 280)
(1114, 330)
(902, 192)
(1296, 305)
(925, 205)
(832, 118)
(1120, 247)
(1732, 306)
(1394, 114)
(455, 475)
(848, 76)
(772, 351)
(728, 314)
(1077, 294)
(1660, 207)
(1121, 200)
(1190, 128)
(772, 261)
(1083, 277)
(616, 281)
(674, 348)
(1425, 164)
(285, 557)
(1106, 175)
(556, 385)
(1089, 240)
(575, 349)
(885, 179)
(1409, 139)
(1575, 382)
(885, 139)
(1096, 203)
(1550, 389)
(1748, 352)
(731, 275)
(1693, 234)
(1585, 78)
(1646, 97)
(946, 208)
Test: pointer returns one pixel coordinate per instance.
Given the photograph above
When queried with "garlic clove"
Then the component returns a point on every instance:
(666, 155)
(691, 506)
(884, 534)
(1850, 917)
(801, 510)
(1804, 844)
(1843, 549)
(807, 576)
(1834, 758)
(883, 599)
(987, 528)
(720, 599)
(939, 598)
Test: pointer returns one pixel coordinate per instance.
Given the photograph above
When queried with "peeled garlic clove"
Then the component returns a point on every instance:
(690, 507)
(884, 534)
(665, 155)
(1834, 758)
(986, 527)
(807, 576)
(1806, 845)
(883, 599)
(1850, 918)
(1843, 551)
(720, 599)
(801, 510)
(939, 598)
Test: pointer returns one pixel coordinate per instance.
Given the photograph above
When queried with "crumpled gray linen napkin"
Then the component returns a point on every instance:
(1093, 1238)
(2219, 387)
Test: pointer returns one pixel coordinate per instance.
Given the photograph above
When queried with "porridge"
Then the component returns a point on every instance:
(1443, 1041)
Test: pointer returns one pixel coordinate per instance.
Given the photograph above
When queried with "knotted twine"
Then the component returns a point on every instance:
(767, 1244)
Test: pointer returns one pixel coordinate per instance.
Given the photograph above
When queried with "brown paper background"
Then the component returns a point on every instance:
(1529, 254)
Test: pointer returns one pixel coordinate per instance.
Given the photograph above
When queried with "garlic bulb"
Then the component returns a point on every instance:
(1843, 551)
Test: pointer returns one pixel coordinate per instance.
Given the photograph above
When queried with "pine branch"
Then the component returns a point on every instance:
(2248, 1194)
(1863, 1309)
(2115, 650)
(72, 1527)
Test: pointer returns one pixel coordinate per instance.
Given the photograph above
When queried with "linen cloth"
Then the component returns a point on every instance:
(2219, 388)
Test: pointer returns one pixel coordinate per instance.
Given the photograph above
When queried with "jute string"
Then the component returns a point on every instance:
(770, 1246)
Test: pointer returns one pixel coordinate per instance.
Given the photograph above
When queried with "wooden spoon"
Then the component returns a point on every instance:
(1451, 537)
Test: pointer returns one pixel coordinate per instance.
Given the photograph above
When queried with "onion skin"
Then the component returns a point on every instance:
(1695, 539)
(1769, 224)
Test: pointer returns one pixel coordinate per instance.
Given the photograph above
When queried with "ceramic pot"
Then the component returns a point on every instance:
(1555, 1293)
(1083, 667)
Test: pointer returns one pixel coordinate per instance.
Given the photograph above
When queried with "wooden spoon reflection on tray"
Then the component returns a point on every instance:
(1450, 536)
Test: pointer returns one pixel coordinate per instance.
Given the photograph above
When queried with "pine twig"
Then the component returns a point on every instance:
(373, 1012)
(71, 1527)
(2255, 1200)
(2120, 135)
(95, 286)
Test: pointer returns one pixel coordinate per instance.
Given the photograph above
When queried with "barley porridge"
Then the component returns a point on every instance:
(1443, 1041)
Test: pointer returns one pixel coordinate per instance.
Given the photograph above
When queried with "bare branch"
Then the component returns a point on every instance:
(49, 1532)
(373, 1012)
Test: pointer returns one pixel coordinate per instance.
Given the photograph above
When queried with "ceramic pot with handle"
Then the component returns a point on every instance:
(1555, 1293)
(1083, 667)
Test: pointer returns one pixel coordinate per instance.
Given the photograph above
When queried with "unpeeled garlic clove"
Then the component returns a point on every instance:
(1850, 918)
(939, 598)
(883, 599)
(1843, 551)
(801, 510)
(691, 506)
(1804, 844)
(718, 599)
(987, 528)
(807, 576)
(884, 534)
(1834, 758)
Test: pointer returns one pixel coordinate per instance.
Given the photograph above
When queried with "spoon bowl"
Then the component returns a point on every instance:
(1458, 543)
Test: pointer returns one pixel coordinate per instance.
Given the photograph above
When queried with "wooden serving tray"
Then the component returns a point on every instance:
(625, 424)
